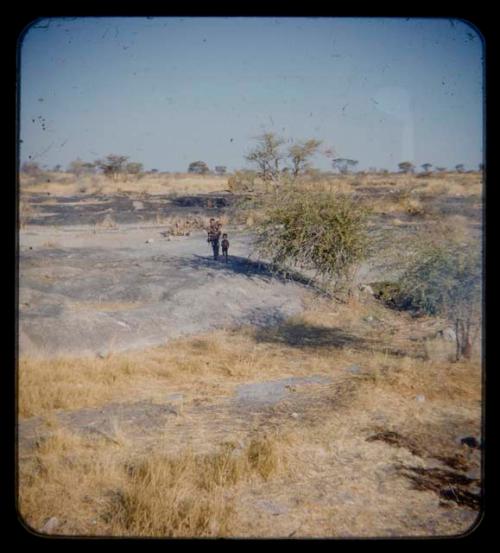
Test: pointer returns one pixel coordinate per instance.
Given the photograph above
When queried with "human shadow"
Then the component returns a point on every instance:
(305, 336)
(246, 267)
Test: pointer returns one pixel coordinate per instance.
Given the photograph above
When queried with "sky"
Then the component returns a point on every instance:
(169, 91)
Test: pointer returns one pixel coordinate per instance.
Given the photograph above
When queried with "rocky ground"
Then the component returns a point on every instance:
(86, 293)
(87, 288)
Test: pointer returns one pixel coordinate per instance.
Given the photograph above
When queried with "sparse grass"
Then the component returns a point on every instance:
(26, 212)
(321, 465)
(183, 226)
(225, 357)
(107, 222)
(190, 494)
(64, 479)
(104, 487)
(65, 184)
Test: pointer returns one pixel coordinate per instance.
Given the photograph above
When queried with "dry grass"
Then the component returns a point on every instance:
(219, 360)
(183, 226)
(189, 495)
(65, 184)
(434, 185)
(104, 487)
(106, 223)
(26, 212)
(107, 485)
(394, 193)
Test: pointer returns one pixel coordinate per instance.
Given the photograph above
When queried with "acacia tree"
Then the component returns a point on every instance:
(300, 153)
(426, 167)
(134, 168)
(459, 168)
(31, 168)
(112, 166)
(198, 167)
(343, 164)
(267, 156)
(406, 167)
(445, 279)
(79, 167)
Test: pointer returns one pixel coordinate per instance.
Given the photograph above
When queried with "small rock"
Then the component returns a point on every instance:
(368, 319)
(367, 289)
(272, 507)
(470, 441)
(50, 525)
(295, 415)
(354, 369)
(101, 355)
(149, 241)
(447, 334)
(420, 398)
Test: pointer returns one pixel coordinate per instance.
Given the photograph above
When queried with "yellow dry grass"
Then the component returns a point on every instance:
(65, 184)
(433, 185)
(219, 360)
(93, 486)
(105, 485)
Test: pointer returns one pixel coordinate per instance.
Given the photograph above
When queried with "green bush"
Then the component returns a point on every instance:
(322, 231)
(445, 279)
(390, 293)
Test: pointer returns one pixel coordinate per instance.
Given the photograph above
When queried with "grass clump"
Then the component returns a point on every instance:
(189, 495)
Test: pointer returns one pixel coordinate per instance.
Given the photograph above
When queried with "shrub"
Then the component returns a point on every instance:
(198, 167)
(134, 168)
(323, 232)
(445, 279)
(390, 293)
(31, 168)
(242, 181)
(112, 166)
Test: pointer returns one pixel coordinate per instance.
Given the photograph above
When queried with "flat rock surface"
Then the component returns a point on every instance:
(199, 424)
(92, 292)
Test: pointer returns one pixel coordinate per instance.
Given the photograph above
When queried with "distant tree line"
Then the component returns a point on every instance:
(201, 168)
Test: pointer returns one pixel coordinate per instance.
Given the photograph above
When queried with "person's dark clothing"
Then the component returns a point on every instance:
(214, 237)
(225, 247)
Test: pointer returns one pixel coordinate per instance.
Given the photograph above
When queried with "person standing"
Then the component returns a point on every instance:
(225, 246)
(214, 236)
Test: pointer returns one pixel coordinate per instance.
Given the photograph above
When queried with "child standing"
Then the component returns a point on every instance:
(225, 246)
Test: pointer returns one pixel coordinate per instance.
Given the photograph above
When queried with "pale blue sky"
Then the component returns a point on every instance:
(168, 91)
